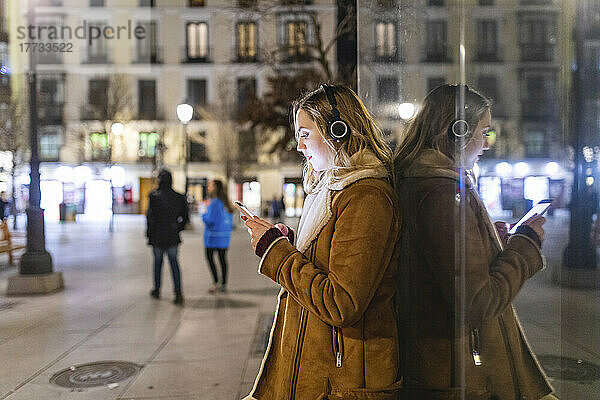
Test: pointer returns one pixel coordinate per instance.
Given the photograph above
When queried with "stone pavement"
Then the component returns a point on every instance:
(212, 347)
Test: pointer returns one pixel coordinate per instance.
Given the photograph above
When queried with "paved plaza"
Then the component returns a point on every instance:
(212, 347)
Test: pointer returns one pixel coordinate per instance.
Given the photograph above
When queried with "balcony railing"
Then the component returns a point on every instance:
(539, 109)
(536, 53)
(103, 58)
(437, 57)
(153, 57)
(487, 56)
(49, 57)
(396, 57)
(51, 112)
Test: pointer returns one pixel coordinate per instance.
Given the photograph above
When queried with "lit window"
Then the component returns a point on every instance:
(246, 40)
(385, 39)
(100, 149)
(197, 40)
(295, 38)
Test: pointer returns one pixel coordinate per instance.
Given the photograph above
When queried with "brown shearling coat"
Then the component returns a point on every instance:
(429, 296)
(335, 335)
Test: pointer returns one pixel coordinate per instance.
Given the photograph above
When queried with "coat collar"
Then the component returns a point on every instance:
(317, 205)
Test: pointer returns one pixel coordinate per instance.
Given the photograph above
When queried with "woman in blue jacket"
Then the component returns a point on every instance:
(217, 233)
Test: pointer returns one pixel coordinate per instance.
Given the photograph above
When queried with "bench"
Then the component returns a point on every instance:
(6, 244)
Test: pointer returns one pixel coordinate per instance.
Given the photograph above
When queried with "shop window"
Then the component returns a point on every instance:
(99, 146)
(148, 142)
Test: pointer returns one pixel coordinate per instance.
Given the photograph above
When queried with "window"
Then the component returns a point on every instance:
(246, 41)
(295, 40)
(99, 145)
(197, 41)
(146, 3)
(487, 40)
(197, 150)
(534, 143)
(486, 2)
(246, 93)
(196, 94)
(146, 48)
(148, 142)
(434, 82)
(388, 89)
(47, 57)
(96, 3)
(385, 41)
(436, 41)
(538, 96)
(246, 3)
(436, 3)
(98, 49)
(196, 3)
(51, 99)
(147, 99)
(488, 86)
(50, 144)
(97, 98)
(536, 38)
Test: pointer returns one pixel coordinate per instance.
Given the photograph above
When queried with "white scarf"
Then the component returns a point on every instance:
(316, 212)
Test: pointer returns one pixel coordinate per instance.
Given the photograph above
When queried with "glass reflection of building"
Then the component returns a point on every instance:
(514, 54)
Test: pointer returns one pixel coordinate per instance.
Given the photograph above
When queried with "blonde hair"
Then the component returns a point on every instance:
(365, 136)
(429, 128)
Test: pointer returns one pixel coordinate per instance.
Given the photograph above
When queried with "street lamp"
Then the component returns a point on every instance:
(406, 110)
(36, 274)
(185, 112)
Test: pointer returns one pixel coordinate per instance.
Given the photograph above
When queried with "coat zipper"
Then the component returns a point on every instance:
(476, 347)
(296, 365)
(338, 346)
(510, 358)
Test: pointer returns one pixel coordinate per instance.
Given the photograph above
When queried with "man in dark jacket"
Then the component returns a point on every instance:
(167, 216)
(3, 206)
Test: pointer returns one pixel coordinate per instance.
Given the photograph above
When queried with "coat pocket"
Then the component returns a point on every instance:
(391, 392)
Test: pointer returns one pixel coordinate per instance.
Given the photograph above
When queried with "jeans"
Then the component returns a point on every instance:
(158, 261)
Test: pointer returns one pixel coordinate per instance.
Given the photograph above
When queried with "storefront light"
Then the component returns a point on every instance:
(504, 169)
(117, 176)
(588, 154)
(117, 128)
(476, 170)
(82, 174)
(64, 174)
(552, 168)
(589, 180)
(521, 169)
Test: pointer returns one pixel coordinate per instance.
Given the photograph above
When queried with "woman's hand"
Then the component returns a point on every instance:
(535, 223)
(502, 229)
(256, 228)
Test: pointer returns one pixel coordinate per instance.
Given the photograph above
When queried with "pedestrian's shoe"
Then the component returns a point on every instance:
(155, 293)
(213, 289)
(222, 288)
(178, 299)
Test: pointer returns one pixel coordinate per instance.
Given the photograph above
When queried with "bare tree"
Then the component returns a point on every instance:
(271, 112)
(14, 139)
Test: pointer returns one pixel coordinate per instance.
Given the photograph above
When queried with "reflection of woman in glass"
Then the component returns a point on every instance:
(462, 336)
(334, 334)
(218, 220)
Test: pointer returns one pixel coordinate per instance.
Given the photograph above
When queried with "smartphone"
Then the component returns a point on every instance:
(243, 209)
(540, 208)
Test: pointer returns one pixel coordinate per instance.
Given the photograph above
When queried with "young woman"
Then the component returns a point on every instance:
(334, 334)
(462, 338)
(218, 221)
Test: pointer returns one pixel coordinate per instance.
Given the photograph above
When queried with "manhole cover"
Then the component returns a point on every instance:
(569, 369)
(218, 302)
(95, 374)
(5, 305)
